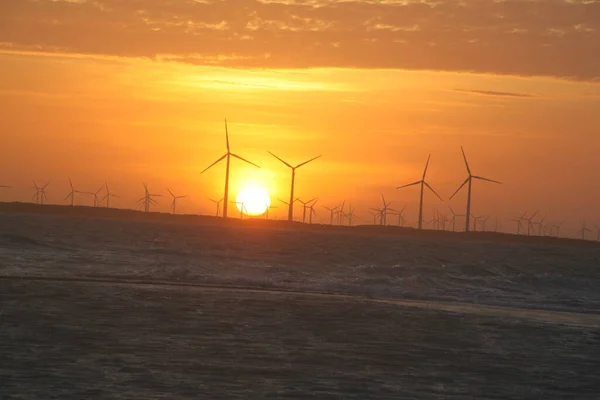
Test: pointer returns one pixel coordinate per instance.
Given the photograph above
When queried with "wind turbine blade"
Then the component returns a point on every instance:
(460, 187)
(71, 183)
(434, 192)
(226, 135)
(280, 160)
(486, 179)
(243, 159)
(171, 193)
(410, 184)
(210, 166)
(451, 210)
(465, 158)
(426, 166)
(306, 162)
(69, 195)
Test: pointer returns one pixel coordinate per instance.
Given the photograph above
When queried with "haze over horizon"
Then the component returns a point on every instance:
(126, 92)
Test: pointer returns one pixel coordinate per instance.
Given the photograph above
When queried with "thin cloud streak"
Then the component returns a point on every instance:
(495, 93)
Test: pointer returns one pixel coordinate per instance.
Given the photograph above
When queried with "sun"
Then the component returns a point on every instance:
(253, 200)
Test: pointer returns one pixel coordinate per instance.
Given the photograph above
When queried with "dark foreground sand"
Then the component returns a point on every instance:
(74, 340)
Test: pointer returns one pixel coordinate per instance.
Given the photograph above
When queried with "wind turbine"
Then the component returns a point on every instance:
(340, 212)
(96, 196)
(72, 193)
(350, 215)
(558, 228)
(384, 210)
(291, 202)
(469, 181)
(312, 211)
(331, 212)
(475, 220)
(227, 156)
(540, 225)
(584, 230)
(305, 204)
(374, 213)
(147, 200)
(422, 183)
(108, 195)
(400, 215)
(267, 208)
(243, 208)
(40, 193)
(218, 203)
(175, 198)
(519, 221)
(453, 219)
(530, 222)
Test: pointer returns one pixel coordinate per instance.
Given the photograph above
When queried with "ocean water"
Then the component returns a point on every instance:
(106, 308)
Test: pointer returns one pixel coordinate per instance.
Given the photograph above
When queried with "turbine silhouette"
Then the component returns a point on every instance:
(291, 202)
(469, 182)
(227, 156)
(175, 198)
(422, 183)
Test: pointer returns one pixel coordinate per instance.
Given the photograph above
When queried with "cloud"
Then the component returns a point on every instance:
(520, 37)
(494, 93)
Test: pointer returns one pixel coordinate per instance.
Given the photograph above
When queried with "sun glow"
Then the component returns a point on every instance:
(253, 200)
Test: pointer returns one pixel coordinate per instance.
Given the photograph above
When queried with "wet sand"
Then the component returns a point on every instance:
(92, 340)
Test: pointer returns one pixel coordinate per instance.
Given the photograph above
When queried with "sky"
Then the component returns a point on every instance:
(137, 91)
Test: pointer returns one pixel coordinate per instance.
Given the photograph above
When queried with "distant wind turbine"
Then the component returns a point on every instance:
(340, 213)
(218, 203)
(227, 156)
(175, 198)
(72, 193)
(108, 195)
(312, 211)
(291, 202)
(96, 196)
(422, 183)
(243, 208)
(384, 210)
(519, 221)
(350, 215)
(469, 182)
(148, 200)
(331, 212)
(584, 230)
(400, 215)
(40, 193)
(454, 217)
(306, 205)
(267, 208)
(530, 222)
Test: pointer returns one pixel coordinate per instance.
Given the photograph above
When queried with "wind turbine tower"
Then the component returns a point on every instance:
(422, 183)
(147, 200)
(291, 202)
(108, 195)
(175, 198)
(72, 193)
(227, 156)
(469, 183)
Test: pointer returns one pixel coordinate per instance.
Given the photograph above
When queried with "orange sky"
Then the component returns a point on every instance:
(88, 93)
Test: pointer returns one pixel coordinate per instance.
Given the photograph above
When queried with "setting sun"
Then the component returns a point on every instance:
(253, 200)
